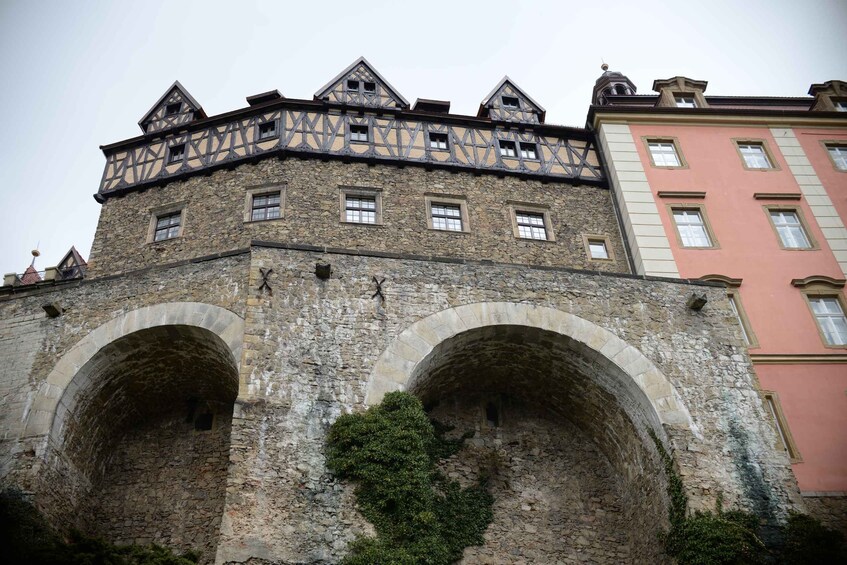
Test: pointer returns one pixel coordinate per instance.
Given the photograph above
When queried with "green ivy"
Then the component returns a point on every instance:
(27, 539)
(391, 451)
(808, 542)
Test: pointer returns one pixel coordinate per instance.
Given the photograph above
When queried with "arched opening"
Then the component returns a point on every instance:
(620, 89)
(139, 445)
(563, 436)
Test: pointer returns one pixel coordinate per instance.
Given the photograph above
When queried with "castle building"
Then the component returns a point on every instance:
(257, 273)
(752, 192)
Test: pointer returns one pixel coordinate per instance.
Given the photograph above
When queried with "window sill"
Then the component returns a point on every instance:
(346, 223)
(463, 232)
(263, 221)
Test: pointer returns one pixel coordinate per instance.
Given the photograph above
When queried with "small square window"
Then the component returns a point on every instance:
(789, 228)
(754, 155)
(369, 87)
(511, 102)
(531, 225)
(663, 153)
(598, 249)
(446, 217)
(167, 226)
(507, 149)
(838, 154)
(359, 133)
(265, 206)
(528, 150)
(840, 105)
(360, 209)
(685, 101)
(172, 109)
(830, 318)
(353, 85)
(438, 141)
(691, 227)
(267, 130)
(176, 153)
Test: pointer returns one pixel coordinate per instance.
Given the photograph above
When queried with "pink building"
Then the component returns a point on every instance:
(750, 192)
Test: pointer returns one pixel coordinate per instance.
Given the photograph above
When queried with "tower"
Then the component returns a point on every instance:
(611, 83)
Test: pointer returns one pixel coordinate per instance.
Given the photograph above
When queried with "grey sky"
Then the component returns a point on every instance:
(78, 75)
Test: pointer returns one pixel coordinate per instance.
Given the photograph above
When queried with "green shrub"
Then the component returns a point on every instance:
(391, 452)
(808, 542)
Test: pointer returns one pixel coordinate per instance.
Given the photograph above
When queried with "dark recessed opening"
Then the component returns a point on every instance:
(510, 102)
(492, 415)
(266, 130)
(203, 422)
(370, 87)
(172, 109)
(352, 85)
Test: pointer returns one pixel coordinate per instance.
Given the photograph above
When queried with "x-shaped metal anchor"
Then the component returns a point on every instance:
(378, 289)
(265, 284)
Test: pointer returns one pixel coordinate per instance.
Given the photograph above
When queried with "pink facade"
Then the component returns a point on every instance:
(745, 246)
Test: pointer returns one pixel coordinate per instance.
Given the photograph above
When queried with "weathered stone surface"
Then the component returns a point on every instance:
(829, 508)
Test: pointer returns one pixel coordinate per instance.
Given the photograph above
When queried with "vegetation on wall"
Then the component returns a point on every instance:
(27, 539)
(420, 516)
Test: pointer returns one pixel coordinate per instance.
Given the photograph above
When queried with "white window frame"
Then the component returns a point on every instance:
(838, 155)
(360, 194)
(692, 228)
(172, 156)
(661, 150)
(828, 311)
(272, 134)
(508, 148)
(442, 143)
(754, 155)
(685, 100)
(434, 200)
(355, 136)
(791, 233)
(259, 191)
(528, 150)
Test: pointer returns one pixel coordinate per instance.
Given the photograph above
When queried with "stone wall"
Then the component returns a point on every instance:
(829, 508)
(214, 208)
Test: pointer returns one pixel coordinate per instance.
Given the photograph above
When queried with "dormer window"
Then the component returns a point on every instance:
(176, 153)
(353, 85)
(173, 109)
(685, 101)
(369, 87)
(267, 130)
(507, 149)
(511, 102)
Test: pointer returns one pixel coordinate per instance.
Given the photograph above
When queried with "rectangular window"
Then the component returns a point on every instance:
(172, 109)
(838, 154)
(353, 85)
(691, 228)
(785, 440)
(754, 156)
(359, 209)
(446, 217)
(438, 141)
(790, 230)
(528, 150)
(735, 310)
(531, 225)
(369, 87)
(176, 153)
(684, 101)
(507, 149)
(265, 206)
(597, 248)
(830, 318)
(167, 226)
(663, 154)
(510, 102)
(840, 106)
(359, 133)
(267, 130)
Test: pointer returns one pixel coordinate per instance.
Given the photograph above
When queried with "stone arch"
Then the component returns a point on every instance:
(395, 368)
(226, 325)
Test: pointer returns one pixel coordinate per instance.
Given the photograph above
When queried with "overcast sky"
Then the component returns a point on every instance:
(77, 75)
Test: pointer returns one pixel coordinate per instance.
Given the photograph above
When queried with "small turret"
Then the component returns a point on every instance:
(610, 83)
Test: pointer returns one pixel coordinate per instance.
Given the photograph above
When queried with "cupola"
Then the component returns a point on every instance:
(611, 83)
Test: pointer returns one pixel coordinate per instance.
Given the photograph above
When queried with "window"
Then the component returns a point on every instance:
(446, 217)
(172, 109)
(507, 149)
(840, 105)
(838, 154)
(663, 153)
(510, 102)
(369, 87)
(691, 227)
(359, 133)
(830, 318)
(786, 442)
(738, 312)
(685, 101)
(754, 155)
(353, 85)
(267, 130)
(438, 141)
(597, 249)
(360, 209)
(167, 226)
(528, 150)
(531, 225)
(789, 229)
(265, 206)
(176, 153)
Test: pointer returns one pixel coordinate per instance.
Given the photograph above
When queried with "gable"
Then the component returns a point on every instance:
(508, 102)
(175, 108)
(361, 85)
(72, 265)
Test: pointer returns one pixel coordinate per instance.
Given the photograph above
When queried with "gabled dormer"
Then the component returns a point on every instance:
(830, 96)
(508, 102)
(176, 107)
(361, 85)
(72, 266)
(680, 92)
